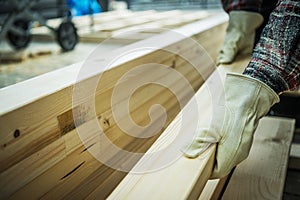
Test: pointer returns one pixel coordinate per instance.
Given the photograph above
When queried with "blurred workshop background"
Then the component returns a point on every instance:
(30, 30)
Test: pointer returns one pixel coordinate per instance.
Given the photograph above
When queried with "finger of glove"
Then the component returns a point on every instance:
(231, 152)
(201, 143)
(230, 47)
(225, 164)
(226, 55)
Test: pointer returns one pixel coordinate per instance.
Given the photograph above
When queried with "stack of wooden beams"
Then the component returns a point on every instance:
(137, 25)
(42, 154)
(260, 176)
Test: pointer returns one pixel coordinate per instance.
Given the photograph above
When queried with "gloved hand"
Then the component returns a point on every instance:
(234, 122)
(240, 35)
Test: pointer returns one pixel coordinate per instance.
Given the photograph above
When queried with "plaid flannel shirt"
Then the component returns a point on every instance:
(276, 57)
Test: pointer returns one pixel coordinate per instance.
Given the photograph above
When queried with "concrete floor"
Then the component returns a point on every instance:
(40, 58)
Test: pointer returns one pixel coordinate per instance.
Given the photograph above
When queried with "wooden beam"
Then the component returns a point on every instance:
(213, 189)
(30, 123)
(295, 150)
(294, 160)
(65, 165)
(118, 138)
(262, 174)
(185, 178)
(110, 25)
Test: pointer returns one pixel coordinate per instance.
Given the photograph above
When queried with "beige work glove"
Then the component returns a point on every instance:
(240, 35)
(234, 122)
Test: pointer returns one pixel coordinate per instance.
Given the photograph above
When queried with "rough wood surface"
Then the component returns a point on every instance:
(213, 189)
(185, 178)
(35, 122)
(295, 150)
(112, 24)
(262, 174)
(294, 160)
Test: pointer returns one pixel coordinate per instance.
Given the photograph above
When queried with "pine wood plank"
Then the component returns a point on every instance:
(110, 25)
(294, 160)
(29, 112)
(117, 33)
(72, 141)
(262, 174)
(137, 112)
(295, 150)
(139, 99)
(188, 183)
(114, 129)
(83, 23)
(31, 167)
(45, 131)
(78, 164)
(196, 30)
(29, 107)
(213, 189)
(163, 181)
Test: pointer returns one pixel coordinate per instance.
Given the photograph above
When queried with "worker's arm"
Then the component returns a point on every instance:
(274, 68)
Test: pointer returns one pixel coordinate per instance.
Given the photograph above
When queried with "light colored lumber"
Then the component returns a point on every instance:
(262, 174)
(31, 167)
(83, 23)
(139, 99)
(213, 189)
(69, 138)
(39, 127)
(200, 29)
(102, 22)
(163, 22)
(80, 162)
(168, 183)
(184, 178)
(31, 118)
(146, 30)
(115, 132)
(119, 31)
(295, 150)
(111, 25)
(43, 121)
(294, 160)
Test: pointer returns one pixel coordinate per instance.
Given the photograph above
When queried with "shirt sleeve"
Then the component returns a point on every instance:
(276, 57)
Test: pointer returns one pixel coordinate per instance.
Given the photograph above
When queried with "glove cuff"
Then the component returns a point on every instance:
(245, 21)
(273, 95)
